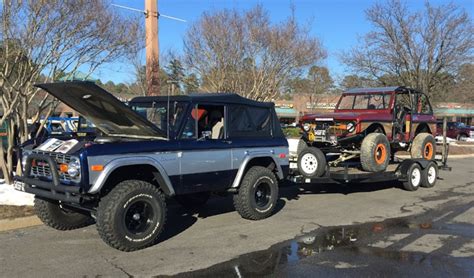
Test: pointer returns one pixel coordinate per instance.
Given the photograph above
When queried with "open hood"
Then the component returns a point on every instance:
(109, 114)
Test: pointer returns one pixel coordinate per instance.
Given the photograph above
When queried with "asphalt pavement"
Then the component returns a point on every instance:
(332, 230)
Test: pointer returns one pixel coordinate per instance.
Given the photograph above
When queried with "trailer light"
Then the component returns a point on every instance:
(97, 168)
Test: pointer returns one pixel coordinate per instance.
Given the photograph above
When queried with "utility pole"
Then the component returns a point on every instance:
(152, 48)
(152, 45)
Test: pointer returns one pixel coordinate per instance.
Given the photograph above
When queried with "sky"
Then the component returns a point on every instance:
(337, 23)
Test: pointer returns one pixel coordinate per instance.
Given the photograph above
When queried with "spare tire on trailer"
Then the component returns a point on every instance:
(311, 162)
(302, 145)
(423, 146)
(375, 152)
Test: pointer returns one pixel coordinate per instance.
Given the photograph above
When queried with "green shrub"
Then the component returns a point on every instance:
(292, 132)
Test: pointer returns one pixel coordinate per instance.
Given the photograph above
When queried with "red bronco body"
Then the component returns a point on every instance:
(395, 115)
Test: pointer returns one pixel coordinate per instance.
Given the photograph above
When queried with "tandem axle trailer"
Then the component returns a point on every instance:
(412, 172)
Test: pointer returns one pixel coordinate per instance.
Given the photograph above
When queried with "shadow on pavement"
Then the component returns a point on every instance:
(180, 219)
(292, 191)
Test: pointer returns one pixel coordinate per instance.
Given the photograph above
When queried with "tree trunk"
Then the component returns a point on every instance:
(3, 166)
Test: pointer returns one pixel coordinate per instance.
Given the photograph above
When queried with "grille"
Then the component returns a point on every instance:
(41, 167)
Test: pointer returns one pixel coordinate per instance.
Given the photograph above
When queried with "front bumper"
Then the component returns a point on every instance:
(47, 189)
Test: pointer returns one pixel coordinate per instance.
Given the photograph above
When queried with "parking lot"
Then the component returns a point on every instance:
(217, 235)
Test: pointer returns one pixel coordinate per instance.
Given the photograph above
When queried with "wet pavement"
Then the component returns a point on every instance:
(436, 243)
(358, 230)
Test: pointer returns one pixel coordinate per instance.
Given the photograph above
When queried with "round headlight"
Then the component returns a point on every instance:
(306, 127)
(74, 167)
(350, 127)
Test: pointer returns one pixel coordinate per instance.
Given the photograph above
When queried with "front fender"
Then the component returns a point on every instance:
(127, 161)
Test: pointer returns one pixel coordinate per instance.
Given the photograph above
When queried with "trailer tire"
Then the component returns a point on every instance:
(258, 194)
(375, 152)
(429, 175)
(414, 176)
(52, 215)
(423, 146)
(311, 162)
(132, 215)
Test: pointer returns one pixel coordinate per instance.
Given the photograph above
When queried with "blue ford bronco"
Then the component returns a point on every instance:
(149, 151)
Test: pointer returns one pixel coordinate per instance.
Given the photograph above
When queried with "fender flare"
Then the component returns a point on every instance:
(162, 177)
(249, 156)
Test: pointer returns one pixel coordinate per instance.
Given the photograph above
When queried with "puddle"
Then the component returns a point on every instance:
(350, 250)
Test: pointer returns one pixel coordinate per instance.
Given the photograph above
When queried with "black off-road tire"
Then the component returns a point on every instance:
(246, 201)
(414, 176)
(429, 175)
(194, 200)
(375, 152)
(311, 162)
(52, 215)
(423, 146)
(118, 209)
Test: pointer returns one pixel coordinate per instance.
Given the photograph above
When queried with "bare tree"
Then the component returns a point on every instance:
(244, 53)
(321, 80)
(40, 40)
(355, 81)
(463, 87)
(418, 48)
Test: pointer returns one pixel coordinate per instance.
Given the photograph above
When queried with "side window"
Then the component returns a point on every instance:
(239, 121)
(261, 119)
(361, 102)
(249, 121)
(376, 102)
(189, 130)
(346, 102)
(205, 122)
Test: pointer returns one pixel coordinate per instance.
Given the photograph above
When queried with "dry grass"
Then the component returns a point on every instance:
(10, 212)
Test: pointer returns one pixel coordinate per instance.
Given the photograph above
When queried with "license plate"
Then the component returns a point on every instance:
(293, 165)
(321, 132)
(18, 185)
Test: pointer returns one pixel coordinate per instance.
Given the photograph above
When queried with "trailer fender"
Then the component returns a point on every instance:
(405, 165)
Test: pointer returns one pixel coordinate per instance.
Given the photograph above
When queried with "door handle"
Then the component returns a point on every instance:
(228, 142)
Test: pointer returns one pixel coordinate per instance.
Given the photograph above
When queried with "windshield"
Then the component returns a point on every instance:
(159, 114)
(366, 102)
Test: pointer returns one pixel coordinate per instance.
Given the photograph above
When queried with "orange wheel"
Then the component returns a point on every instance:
(428, 151)
(380, 154)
